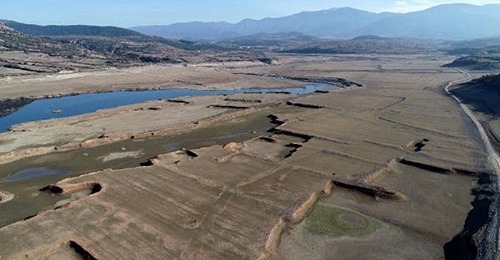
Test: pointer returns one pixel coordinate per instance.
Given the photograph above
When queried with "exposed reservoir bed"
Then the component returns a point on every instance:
(17, 178)
(86, 103)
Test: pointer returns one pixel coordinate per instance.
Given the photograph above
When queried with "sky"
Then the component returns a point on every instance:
(127, 13)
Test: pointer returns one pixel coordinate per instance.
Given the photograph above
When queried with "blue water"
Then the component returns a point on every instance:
(34, 173)
(87, 103)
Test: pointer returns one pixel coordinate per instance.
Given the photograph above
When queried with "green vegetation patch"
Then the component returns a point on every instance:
(333, 221)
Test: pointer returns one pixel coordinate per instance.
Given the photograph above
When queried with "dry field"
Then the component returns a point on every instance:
(380, 172)
(203, 75)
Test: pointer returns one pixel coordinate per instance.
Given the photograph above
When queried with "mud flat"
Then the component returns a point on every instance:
(330, 181)
(74, 162)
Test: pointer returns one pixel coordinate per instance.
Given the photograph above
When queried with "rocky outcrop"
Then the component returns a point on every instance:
(479, 238)
(9, 106)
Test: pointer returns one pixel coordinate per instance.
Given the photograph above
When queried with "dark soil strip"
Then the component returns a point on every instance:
(299, 135)
(228, 107)
(191, 154)
(313, 106)
(243, 100)
(280, 92)
(30, 217)
(275, 119)
(419, 146)
(17, 67)
(178, 101)
(424, 166)
(370, 190)
(295, 149)
(147, 163)
(53, 189)
(321, 80)
(81, 251)
(437, 169)
(268, 139)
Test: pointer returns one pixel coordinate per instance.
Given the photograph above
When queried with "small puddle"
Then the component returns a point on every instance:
(33, 173)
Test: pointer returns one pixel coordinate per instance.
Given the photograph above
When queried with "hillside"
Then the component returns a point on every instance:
(24, 54)
(477, 62)
(441, 22)
(90, 33)
(12, 40)
(270, 41)
(480, 54)
(21, 53)
(65, 30)
(491, 82)
(483, 94)
(367, 45)
(71, 48)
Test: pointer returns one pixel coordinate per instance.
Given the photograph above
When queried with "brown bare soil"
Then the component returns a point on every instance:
(340, 155)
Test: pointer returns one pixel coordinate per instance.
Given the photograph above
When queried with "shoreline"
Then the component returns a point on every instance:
(95, 142)
(340, 83)
(6, 108)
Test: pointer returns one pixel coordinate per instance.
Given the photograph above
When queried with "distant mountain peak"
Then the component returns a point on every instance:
(454, 5)
(369, 37)
(348, 9)
(449, 21)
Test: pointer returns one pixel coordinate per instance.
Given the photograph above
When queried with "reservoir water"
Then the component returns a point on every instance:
(86, 103)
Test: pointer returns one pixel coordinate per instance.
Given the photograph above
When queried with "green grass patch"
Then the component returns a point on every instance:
(333, 221)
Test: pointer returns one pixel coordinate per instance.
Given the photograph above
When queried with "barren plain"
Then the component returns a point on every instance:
(386, 169)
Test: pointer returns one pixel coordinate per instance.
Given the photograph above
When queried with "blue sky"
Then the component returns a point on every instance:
(128, 13)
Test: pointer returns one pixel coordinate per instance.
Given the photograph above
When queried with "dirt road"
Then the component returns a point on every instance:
(492, 155)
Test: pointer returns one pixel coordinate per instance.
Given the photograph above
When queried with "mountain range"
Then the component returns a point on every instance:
(447, 22)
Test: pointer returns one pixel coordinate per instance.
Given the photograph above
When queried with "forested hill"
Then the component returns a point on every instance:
(66, 30)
